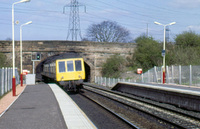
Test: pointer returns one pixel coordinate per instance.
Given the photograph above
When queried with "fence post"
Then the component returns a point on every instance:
(8, 75)
(9, 78)
(161, 74)
(190, 75)
(155, 75)
(11, 75)
(109, 82)
(142, 78)
(6, 85)
(105, 81)
(167, 72)
(148, 77)
(2, 81)
(17, 76)
(179, 74)
(98, 80)
(172, 74)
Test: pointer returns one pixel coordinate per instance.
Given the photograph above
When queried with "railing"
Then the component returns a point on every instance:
(110, 82)
(6, 75)
(183, 75)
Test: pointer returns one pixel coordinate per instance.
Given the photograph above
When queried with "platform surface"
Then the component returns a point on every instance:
(44, 106)
(74, 117)
(192, 90)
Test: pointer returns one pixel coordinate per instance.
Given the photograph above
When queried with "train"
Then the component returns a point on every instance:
(68, 71)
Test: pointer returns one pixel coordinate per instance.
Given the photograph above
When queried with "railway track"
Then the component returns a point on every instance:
(140, 112)
(112, 112)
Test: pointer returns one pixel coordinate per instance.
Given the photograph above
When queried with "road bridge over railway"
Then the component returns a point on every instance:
(93, 53)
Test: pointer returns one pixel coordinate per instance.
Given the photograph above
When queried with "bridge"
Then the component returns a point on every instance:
(94, 54)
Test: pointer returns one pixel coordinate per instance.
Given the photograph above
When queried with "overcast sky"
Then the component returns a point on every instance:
(49, 22)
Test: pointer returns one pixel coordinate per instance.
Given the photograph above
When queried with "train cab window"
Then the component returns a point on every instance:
(61, 66)
(70, 66)
(78, 65)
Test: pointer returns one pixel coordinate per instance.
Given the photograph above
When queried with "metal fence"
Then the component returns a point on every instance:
(184, 75)
(6, 75)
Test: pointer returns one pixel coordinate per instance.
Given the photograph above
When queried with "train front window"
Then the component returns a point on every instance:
(70, 66)
(61, 66)
(78, 65)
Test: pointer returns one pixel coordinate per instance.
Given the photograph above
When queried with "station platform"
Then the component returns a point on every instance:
(186, 97)
(44, 106)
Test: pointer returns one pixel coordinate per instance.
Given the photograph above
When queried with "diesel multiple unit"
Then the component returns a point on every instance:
(68, 72)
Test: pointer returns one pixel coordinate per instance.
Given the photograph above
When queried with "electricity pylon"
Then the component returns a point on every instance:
(74, 20)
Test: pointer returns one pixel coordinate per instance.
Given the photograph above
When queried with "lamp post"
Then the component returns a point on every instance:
(13, 43)
(163, 51)
(21, 75)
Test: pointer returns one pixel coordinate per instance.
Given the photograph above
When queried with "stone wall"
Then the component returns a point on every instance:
(94, 54)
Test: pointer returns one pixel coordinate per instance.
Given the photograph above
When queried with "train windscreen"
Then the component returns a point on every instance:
(78, 65)
(70, 66)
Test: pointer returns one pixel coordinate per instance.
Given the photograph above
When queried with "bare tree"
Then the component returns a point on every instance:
(108, 31)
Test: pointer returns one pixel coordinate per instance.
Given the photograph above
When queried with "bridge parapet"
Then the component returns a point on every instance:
(94, 53)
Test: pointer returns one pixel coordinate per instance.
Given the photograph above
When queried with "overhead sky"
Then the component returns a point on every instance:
(138, 16)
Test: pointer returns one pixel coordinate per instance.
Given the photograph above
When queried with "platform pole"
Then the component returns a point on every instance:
(21, 78)
(14, 86)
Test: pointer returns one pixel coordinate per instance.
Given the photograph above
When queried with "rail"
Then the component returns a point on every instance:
(6, 80)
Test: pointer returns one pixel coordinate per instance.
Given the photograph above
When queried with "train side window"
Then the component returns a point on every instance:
(78, 65)
(70, 66)
(61, 66)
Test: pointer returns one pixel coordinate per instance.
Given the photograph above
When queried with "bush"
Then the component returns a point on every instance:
(147, 54)
(113, 66)
(184, 56)
(187, 39)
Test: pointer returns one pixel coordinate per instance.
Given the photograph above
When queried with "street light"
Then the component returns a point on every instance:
(13, 43)
(163, 51)
(21, 75)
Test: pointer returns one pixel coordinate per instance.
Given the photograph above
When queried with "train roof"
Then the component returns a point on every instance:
(62, 56)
